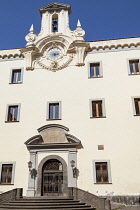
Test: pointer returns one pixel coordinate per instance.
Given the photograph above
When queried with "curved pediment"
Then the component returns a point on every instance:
(52, 135)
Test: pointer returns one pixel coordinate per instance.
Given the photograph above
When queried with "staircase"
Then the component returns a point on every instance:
(38, 203)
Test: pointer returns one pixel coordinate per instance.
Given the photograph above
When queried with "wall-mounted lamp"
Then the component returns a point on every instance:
(74, 169)
(30, 165)
(33, 171)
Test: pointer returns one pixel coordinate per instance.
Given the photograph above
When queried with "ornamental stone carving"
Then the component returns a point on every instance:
(79, 32)
(31, 37)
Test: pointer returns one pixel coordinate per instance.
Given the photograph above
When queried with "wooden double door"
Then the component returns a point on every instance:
(52, 178)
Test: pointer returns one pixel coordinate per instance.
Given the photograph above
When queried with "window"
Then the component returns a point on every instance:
(12, 114)
(55, 23)
(137, 106)
(7, 173)
(102, 173)
(95, 70)
(97, 108)
(134, 66)
(16, 76)
(53, 111)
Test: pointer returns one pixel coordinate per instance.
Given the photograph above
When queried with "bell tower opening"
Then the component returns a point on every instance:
(55, 23)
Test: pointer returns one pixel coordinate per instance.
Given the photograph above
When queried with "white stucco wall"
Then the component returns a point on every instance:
(118, 132)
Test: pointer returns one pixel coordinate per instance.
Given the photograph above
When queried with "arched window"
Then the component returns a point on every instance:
(55, 23)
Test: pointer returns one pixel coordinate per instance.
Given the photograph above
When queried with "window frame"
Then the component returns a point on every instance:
(128, 64)
(133, 104)
(103, 107)
(13, 172)
(11, 75)
(100, 69)
(7, 112)
(48, 109)
(109, 171)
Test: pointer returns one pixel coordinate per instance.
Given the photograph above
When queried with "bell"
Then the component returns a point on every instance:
(55, 22)
(54, 28)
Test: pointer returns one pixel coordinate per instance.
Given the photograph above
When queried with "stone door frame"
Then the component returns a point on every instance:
(65, 174)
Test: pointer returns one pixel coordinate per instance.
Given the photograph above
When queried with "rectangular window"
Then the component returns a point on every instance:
(12, 113)
(94, 69)
(137, 106)
(54, 111)
(97, 109)
(102, 171)
(134, 66)
(6, 173)
(16, 76)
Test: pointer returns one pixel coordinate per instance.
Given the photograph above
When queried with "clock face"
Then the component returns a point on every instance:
(54, 53)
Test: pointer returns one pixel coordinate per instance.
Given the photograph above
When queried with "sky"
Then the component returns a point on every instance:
(101, 19)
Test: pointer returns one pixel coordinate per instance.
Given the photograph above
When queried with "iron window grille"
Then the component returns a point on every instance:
(6, 173)
(101, 172)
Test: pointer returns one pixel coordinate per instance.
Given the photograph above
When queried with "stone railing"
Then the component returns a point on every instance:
(88, 198)
(11, 195)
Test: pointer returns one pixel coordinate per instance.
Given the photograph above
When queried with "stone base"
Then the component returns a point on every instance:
(30, 193)
(126, 199)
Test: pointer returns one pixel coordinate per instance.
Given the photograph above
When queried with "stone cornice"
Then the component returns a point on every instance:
(55, 6)
(104, 45)
(50, 126)
(115, 44)
(11, 54)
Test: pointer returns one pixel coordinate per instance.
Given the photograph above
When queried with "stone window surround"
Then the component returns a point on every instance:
(128, 67)
(7, 108)
(103, 107)
(13, 171)
(60, 109)
(11, 73)
(133, 104)
(100, 71)
(109, 171)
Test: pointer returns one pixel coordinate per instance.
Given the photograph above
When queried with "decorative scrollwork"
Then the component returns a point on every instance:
(54, 65)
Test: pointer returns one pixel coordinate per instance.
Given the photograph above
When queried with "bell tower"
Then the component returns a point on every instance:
(56, 46)
(55, 18)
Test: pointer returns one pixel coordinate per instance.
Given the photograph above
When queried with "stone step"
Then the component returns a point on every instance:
(43, 201)
(38, 203)
(44, 204)
(87, 208)
(47, 207)
(46, 198)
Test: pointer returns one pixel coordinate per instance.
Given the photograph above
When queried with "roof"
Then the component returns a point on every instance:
(55, 6)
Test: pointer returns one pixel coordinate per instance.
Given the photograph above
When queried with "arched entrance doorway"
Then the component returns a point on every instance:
(52, 178)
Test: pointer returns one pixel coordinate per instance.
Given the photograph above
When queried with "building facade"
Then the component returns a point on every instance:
(70, 111)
